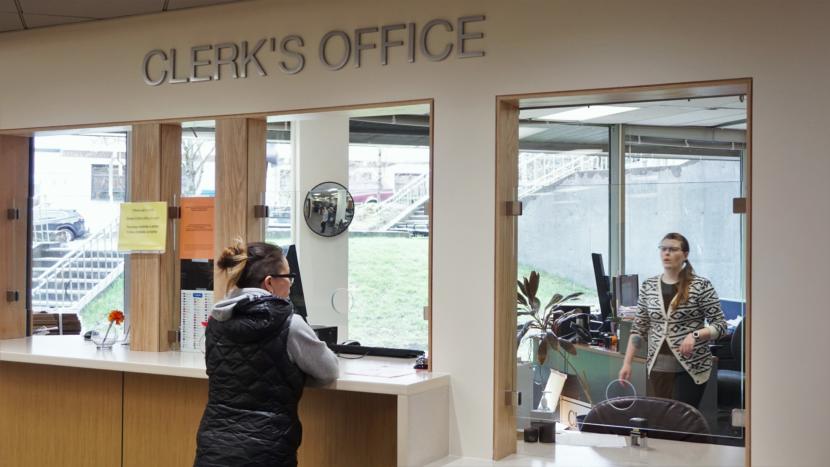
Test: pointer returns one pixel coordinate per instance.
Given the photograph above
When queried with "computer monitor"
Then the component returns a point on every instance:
(296, 294)
(603, 286)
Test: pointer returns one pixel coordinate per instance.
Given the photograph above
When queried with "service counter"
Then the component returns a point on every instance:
(64, 402)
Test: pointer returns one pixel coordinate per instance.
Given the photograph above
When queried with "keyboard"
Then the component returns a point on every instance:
(375, 351)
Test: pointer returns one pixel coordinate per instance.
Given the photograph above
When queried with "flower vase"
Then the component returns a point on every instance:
(105, 335)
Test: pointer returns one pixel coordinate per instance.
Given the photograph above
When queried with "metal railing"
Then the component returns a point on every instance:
(550, 173)
(84, 270)
(381, 216)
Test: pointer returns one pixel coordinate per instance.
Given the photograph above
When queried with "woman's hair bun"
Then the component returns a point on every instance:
(232, 256)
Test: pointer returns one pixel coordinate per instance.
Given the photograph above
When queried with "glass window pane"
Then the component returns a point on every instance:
(389, 245)
(279, 192)
(199, 158)
(76, 268)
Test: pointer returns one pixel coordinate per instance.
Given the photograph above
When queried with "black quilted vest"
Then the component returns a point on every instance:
(254, 389)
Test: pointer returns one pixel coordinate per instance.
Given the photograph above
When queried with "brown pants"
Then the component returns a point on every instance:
(678, 386)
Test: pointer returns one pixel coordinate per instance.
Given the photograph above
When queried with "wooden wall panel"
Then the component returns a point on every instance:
(14, 189)
(257, 169)
(348, 429)
(52, 415)
(240, 178)
(504, 372)
(155, 161)
(161, 418)
(170, 266)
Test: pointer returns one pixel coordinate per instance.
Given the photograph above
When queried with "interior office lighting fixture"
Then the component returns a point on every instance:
(590, 112)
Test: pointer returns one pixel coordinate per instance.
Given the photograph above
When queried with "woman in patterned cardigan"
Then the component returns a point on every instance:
(679, 313)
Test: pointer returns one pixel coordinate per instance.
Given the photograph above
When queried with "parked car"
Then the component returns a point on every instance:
(65, 224)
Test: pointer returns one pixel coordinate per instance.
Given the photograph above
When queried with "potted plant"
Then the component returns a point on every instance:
(545, 323)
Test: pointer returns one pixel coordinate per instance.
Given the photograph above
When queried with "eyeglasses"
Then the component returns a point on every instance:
(290, 276)
(669, 249)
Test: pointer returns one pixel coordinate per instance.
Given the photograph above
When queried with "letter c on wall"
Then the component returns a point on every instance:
(145, 68)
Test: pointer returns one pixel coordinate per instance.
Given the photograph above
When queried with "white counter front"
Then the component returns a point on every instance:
(369, 374)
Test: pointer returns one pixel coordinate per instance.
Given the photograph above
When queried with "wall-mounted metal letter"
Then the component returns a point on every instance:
(359, 46)
(195, 63)
(385, 43)
(218, 61)
(424, 40)
(465, 36)
(296, 55)
(250, 56)
(145, 67)
(347, 44)
(410, 55)
(173, 79)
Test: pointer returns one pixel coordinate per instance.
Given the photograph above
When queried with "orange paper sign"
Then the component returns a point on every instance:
(196, 232)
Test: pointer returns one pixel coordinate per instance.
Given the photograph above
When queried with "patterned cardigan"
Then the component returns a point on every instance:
(702, 309)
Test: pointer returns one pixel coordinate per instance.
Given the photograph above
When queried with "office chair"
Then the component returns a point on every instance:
(672, 419)
(731, 381)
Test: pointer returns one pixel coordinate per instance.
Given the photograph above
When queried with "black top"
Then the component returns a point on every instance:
(253, 389)
(669, 291)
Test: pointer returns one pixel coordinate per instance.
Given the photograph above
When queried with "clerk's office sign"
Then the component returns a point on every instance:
(435, 40)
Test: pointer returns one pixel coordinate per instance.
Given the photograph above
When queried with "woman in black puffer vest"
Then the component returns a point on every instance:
(258, 356)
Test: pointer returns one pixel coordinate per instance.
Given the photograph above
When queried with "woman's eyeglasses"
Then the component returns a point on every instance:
(668, 249)
(290, 276)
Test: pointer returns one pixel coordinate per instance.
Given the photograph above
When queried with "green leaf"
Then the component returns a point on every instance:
(556, 298)
(523, 287)
(568, 346)
(521, 299)
(533, 284)
(534, 304)
(551, 340)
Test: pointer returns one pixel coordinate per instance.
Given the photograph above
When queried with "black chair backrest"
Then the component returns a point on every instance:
(666, 418)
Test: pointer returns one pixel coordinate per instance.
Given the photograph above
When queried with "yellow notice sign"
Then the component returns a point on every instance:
(143, 227)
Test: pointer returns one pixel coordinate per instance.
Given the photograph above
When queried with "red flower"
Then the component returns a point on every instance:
(204, 324)
(116, 316)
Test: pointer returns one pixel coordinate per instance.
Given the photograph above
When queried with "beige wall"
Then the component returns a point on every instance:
(89, 73)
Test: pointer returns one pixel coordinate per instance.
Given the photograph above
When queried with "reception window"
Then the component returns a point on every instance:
(77, 273)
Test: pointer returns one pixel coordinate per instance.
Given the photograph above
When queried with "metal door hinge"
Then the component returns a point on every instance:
(174, 212)
(738, 205)
(514, 208)
(512, 398)
(13, 214)
(173, 337)
(12, 296)
(261, 211)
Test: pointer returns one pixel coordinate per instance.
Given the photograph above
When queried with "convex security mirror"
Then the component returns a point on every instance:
(328, 209)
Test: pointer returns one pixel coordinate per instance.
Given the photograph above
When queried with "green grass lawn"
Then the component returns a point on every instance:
(388, 282)
(112, 298)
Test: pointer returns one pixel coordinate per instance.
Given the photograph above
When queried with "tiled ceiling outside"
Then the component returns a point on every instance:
(17, 15)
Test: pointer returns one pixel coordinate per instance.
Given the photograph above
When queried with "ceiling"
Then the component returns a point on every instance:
(18, 15)
(714, 112)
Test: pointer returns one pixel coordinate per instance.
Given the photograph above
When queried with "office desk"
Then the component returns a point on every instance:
(63, 402)
(598, 366)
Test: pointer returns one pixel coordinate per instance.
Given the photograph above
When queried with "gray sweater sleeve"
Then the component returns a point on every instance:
(311, 354)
